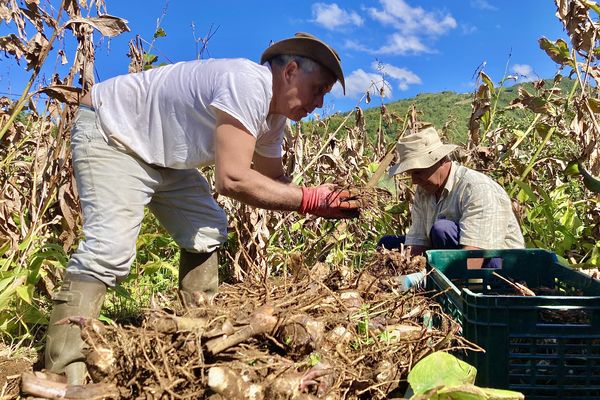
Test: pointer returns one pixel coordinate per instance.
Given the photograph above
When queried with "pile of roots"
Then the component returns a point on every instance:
(318, 334)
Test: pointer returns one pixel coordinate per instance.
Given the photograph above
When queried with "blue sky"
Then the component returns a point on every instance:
(419, 46)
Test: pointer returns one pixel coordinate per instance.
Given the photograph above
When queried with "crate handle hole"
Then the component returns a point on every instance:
(485, 263)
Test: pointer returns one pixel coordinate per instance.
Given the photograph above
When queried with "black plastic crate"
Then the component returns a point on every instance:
(545, 346)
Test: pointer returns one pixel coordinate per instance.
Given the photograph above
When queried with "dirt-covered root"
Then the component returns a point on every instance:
(325, 334)
(395, 262)
(286, 339)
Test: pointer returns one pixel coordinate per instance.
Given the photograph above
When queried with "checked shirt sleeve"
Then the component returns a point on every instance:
(417, 234)
(485, 216)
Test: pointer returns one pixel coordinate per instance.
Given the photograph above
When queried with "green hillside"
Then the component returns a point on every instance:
(453, 109)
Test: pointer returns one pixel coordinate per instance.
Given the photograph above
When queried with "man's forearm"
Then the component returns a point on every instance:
(258, 190)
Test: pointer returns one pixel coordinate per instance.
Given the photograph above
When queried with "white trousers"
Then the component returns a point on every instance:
(114, 187)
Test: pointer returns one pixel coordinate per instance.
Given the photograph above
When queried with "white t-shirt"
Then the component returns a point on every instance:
(166, 116)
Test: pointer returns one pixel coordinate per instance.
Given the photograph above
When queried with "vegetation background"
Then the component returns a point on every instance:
(538, 140)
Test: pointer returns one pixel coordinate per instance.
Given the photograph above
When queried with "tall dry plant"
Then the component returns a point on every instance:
(39, 215)
(559, 139)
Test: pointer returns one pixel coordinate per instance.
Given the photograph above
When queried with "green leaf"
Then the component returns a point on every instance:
(487, 81)
(593, 5)
(150, 58)
(440, 369)
(296, 226)
(498, 394)
(558, 51)
(32, 315)
(160, 32)
(4, 248)
(25, 292)
(526, 189)
(122, 292)
(572, 168)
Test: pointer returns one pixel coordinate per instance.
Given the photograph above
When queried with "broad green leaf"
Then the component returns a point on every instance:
(558, 51)
(499, 394)
(463, 392)
(151, 267)
(5, 282)
(440, 369)
(488, 82)
(32, 315)
(373, 167)
(472, 392)
(25, 292)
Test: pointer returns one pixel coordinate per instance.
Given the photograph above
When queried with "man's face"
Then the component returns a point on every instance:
(305, 90)
(430, 179)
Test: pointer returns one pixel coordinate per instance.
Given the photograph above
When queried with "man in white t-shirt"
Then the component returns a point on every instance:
(138, 140)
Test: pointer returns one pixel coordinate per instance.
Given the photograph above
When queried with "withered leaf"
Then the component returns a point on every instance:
(35, 48)
(72, 8)
(536, 104)
(63, 57)
(9, 10)
(594, 105)
(37, 15)
(107, 25)
(63, 93)
(5, 13)
(13, 45)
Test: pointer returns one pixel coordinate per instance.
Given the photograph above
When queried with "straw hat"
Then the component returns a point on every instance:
(420, 150)
(306, 45)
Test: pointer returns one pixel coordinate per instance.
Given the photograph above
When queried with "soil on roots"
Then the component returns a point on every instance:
(319, 334)
(11, 369)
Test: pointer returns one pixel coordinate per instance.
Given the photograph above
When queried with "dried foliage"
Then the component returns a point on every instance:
(39, 215)
(316, 334)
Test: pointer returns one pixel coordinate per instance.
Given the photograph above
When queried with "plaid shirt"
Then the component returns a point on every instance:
(479, 206)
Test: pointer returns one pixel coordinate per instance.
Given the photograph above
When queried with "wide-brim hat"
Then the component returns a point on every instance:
(420, 150)
(307, 45)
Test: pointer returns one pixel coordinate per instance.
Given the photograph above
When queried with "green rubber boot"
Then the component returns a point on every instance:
(79, 295)
(198, 274)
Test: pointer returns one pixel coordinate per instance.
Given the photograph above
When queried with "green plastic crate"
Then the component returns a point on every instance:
(547, 346)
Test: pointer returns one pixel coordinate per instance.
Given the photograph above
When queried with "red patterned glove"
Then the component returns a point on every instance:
(328, 201)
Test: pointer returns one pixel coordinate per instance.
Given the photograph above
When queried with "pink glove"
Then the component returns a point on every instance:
(328, 201)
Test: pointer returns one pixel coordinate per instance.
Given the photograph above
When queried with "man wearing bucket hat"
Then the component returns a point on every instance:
(138, 140)
(454, 207)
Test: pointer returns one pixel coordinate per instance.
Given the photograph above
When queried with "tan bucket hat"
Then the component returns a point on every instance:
(307, 45)
(420, 150)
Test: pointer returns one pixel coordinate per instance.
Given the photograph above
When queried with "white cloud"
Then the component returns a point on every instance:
(354, 45)
(468, 29)
(413, 28)
(404, 77)
(524, 72)
(332, 17)
(361, 81)
(483, 5)
(399, 44)
(412, 20)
